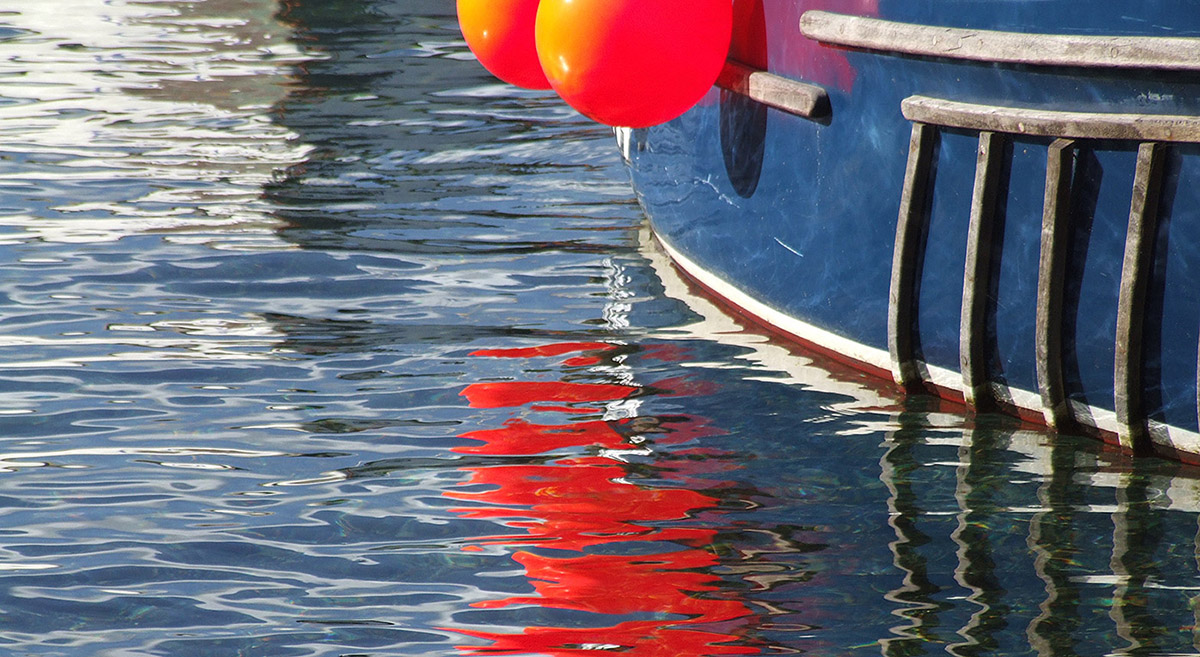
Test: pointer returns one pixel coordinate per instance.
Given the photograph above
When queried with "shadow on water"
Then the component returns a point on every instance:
(458, 196)
(417, 150)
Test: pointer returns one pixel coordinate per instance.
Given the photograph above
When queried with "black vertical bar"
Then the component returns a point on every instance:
(972, 333)
(906, 256)
(1052, 266)
(1135, 278)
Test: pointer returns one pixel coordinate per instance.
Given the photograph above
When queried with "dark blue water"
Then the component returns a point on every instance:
(316, 341)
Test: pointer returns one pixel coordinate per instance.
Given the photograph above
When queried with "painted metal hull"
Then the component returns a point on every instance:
(1012, 219)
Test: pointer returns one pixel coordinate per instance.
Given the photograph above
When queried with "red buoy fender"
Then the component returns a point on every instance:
(501, 34)
(633, 63)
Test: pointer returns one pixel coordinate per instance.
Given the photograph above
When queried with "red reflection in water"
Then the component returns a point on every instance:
(640, 638)
(518, 437)
(577, 503)
(588, 584)
(503, 394)
(573, 504)
(556, 349)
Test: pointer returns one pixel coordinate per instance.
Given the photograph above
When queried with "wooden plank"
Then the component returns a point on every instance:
(1135, 279)
(1052, 271)
(906, 255)
(1018, 48)
(972, 332)
(792, 96)
(1049, 123)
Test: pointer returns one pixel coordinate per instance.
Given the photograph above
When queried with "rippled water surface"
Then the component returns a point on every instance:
(316, 341)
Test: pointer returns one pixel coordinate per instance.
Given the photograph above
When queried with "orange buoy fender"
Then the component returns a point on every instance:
(501, 34)
(633, 63)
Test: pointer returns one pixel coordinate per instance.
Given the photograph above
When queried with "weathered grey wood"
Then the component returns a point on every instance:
(1047, 123)
(1052, 270)
(972, 330)
(1071, 50)
(792, 96)
(906, 256)
(1135, 278)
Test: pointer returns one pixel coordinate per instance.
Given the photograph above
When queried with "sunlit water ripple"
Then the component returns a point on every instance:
(314, 340)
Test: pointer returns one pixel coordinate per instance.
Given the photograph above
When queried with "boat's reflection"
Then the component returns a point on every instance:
(640, 533)
(1092, 554)
(590, 538)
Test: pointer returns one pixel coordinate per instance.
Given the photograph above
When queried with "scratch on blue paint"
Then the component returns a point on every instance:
(780, 243)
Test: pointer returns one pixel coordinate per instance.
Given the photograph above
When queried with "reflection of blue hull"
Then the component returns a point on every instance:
(1045, 190)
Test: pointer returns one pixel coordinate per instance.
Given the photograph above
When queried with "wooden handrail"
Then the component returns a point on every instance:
(792, 96)
(1071, 50)
(1051, 123)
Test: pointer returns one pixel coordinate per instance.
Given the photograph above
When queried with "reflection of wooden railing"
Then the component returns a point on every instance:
(1070, 50)
(1113, 546)
(994, 125)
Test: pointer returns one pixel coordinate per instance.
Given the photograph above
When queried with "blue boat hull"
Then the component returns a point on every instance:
(794, 219)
